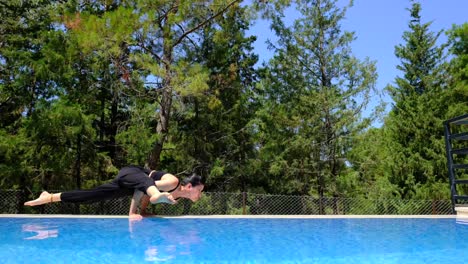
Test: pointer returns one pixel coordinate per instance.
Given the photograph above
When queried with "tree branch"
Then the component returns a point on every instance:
(181, 28)
(204, 22)
(142, 45)
(5, 101)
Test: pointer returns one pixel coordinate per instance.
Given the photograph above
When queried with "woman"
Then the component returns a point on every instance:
(134, 180)
(190, 188)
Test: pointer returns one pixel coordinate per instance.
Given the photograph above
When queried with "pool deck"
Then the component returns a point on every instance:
(229, 216)
(462, 211)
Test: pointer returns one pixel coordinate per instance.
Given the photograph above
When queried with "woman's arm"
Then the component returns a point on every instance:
(144, 205)
(134, 205)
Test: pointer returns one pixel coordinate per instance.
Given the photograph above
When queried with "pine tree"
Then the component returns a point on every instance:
(212, 130)
(414, 125)
(458, 94)
(167, 27)
(26, 80)
(315, 92)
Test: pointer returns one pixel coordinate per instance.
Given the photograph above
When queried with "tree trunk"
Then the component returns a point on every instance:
(78, 161)
(166, 99)
(113, 128)
(163, 125)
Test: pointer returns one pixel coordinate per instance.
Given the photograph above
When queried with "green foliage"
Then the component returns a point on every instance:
(12, 165)
(458, 95)
(88, 87)
(26, 63)
(210, 129)
(57, 134)
(103, 33)
(313, 93)
(206, 205)
(136, 136)
(414, 126)
(192, 80)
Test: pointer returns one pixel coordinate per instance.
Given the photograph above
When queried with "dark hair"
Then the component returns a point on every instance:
(193, 179)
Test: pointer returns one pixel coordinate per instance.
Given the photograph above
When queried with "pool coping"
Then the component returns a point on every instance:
(229, 216)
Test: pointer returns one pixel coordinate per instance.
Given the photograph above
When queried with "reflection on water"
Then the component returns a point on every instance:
(41, 231)
(180, 240)
(151, 240)
(164, 240)
(153, 254)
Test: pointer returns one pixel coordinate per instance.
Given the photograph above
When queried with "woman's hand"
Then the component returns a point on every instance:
(135, 217)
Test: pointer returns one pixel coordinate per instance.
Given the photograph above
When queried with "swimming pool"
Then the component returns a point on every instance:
(232, 240)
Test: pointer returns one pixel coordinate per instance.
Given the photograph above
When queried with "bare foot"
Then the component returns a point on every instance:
(164, 197)
(44, 198)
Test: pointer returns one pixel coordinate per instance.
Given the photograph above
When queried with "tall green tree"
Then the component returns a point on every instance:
(414, 125)
(42, 64)
(212, 130)
(144, 40)
(61, 139)
(167, 26)
(458, 95)
(27, 78)
(102, 83)
(315, 92)
(24, 71)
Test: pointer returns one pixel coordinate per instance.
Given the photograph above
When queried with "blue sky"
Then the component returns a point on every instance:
(378, 27)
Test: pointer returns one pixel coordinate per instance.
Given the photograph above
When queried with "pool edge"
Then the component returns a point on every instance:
(229, 216)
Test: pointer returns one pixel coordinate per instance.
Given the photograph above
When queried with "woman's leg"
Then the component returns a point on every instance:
(104, 192)
(45, 198)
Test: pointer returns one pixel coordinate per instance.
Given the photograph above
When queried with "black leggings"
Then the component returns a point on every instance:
(127, 181)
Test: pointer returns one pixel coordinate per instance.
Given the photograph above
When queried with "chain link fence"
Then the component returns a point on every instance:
(11, 202)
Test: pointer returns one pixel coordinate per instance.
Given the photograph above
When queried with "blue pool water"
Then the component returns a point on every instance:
(182, 240)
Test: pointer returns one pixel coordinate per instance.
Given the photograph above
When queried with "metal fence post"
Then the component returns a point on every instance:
(244, 198)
